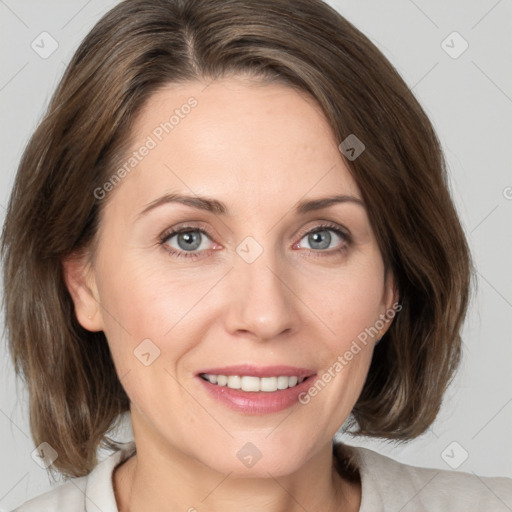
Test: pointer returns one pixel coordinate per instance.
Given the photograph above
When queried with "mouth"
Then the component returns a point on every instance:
(257, 390)
(252, 384)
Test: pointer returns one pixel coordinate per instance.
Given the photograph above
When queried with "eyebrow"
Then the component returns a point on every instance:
(217, 207)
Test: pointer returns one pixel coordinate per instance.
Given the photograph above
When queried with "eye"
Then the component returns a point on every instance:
(186, 240)
(324, 237)
(192, 242)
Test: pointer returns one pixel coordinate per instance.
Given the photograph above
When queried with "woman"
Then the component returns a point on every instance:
(233, 222)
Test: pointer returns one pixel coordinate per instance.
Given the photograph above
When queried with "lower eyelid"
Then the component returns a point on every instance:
(341, 245)
(345, 240)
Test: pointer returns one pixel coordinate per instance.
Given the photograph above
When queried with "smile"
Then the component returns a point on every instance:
(256, 390)
(251, 383)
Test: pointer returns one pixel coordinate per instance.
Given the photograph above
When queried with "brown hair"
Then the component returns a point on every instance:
(139, 47)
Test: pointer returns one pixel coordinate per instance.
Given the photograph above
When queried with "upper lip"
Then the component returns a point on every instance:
(260, 371)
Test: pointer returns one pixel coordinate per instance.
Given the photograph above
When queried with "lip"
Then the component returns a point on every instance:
(258, 402)
(260, 371)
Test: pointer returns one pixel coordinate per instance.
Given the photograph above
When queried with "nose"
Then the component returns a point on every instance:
(262, 304)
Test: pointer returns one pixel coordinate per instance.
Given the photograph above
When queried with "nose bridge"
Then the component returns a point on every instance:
(262, 302)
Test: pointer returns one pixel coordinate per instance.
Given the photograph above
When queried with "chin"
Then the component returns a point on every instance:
(256, 456)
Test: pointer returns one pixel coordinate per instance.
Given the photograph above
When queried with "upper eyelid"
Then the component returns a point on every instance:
(327, 225)
(183, 229)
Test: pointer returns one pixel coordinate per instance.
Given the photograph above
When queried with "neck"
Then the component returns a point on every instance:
(170, 480)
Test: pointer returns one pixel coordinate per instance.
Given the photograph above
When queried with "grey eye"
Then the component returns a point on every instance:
(190, 240)
(320, 239)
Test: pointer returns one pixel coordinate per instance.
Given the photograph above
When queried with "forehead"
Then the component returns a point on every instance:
(247, 144)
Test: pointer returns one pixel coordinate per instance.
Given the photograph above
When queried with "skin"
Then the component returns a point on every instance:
(259, 149)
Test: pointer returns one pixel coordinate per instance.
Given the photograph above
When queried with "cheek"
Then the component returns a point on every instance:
(149, 307)
(352, 305)
(155, 301)
(345, 366)
(148, 299)
(144, 316)
(141, 312)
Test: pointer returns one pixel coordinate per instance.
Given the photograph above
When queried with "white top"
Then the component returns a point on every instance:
(387, 486)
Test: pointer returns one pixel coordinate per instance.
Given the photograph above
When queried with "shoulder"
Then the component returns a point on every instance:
(388, 484)
(69, 496)
(92, 492)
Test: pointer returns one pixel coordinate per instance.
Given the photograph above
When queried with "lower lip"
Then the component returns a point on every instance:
(261, 402)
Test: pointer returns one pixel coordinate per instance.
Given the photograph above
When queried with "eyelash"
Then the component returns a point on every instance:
(164, 238)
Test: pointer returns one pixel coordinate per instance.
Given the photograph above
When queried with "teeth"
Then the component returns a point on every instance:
(234, 382)
(268, 384)
(282, 382)
(250, 383)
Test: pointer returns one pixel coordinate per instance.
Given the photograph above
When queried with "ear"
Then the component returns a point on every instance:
(391, 299)
(81, 284)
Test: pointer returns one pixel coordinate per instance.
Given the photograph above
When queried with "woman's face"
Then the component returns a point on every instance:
(277, 290)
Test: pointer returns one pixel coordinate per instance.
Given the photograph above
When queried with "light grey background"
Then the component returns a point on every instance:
(468, 98)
